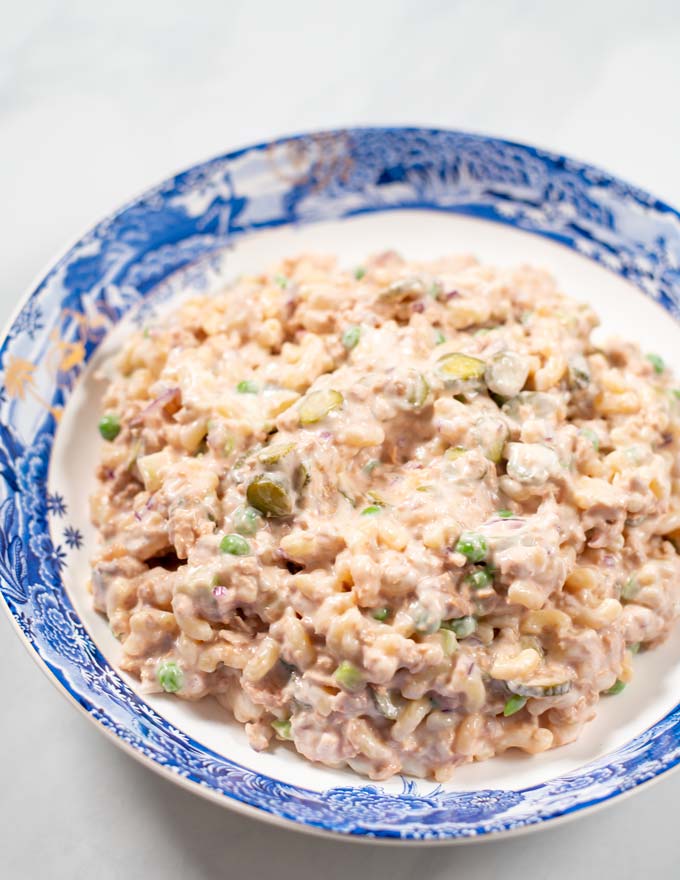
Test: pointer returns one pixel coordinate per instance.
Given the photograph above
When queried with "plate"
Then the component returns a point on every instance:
(351, 192)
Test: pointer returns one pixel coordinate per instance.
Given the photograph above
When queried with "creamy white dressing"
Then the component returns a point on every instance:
(389, 520)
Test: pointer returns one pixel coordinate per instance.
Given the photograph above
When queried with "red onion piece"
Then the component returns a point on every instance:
(159, 403)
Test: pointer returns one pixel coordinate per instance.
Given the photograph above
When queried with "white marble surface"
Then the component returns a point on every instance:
(99, 100)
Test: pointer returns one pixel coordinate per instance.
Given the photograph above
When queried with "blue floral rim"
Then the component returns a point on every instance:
(182, 225)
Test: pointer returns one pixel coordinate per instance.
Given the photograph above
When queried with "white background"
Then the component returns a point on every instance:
(99, 100)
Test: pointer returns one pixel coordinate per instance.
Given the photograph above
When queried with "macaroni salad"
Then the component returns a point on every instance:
(404, 517)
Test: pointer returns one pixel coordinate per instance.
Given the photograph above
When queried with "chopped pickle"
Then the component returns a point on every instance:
(268, 494)
(274, 453)
(460, 368)
(318, 404)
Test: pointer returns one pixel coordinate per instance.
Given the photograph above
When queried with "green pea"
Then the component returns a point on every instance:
(479, 579)
(514, 704)
(247, 386)
(109, 426)
(616, 688)
(246, 520)
(381, 614)
(282, 728)
(170, 676)
(657, 362)
(349, 676)
(461, 626)
(371, 510)
(473, 546)
(234, 544)
(351, 336)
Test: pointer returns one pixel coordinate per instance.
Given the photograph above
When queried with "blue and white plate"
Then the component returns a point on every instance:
(425, 193)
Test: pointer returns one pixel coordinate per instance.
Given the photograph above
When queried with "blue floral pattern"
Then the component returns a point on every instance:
(55, 504)
(176, 232)
(73, 538)
(29, 320)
